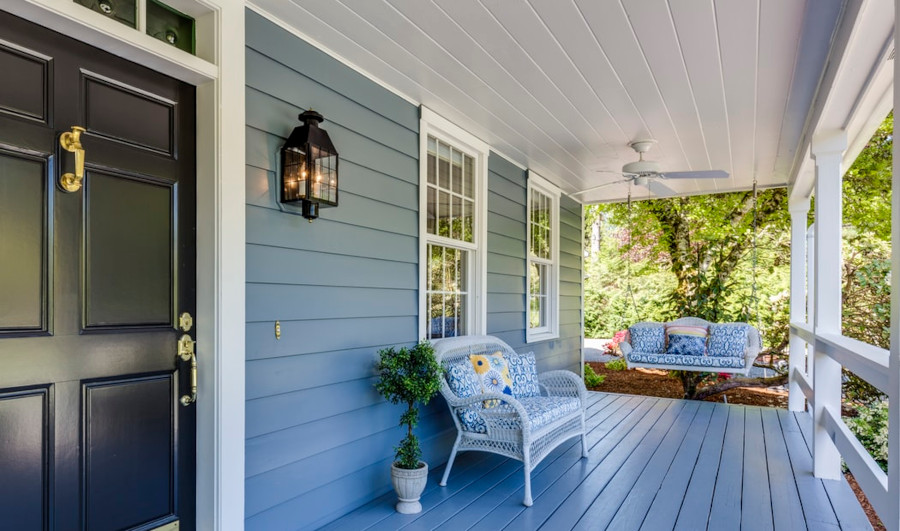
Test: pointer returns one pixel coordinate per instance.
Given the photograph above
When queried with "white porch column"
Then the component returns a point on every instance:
(892, 520)
(810, 285)
(797, 360)
(828, 150)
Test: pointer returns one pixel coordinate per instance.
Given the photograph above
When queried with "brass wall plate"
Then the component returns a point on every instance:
(277, 329)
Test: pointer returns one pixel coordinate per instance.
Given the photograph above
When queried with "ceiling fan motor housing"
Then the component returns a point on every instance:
(641, 167)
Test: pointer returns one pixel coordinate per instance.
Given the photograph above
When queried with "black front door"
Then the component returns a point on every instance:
(93, 279)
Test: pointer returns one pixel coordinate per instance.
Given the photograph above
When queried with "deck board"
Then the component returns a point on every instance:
(654, 464)
(664, 508)
(725, 513)
(787, 510)
(756, 506)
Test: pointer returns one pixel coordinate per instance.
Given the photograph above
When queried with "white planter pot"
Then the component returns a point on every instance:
(409, 485)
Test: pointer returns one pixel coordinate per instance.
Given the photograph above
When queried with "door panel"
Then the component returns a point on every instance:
(134, 416)
(104, 100)
(29, 95)
(24, 453)
(23, 199)
(92, 435)
(129, 264)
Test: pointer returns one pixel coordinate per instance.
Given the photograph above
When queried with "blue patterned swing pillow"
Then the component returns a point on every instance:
(649, 338)
(686, 340)
(728, 339)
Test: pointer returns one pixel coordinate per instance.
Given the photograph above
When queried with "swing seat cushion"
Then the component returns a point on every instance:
(701, 362)
(648, 337)
(686, 340)
(727, 339)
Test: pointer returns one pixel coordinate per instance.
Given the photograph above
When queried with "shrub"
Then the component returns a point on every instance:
(617, 364)
(411, 377)
(871, 428)
(617, 338)
(591, 378)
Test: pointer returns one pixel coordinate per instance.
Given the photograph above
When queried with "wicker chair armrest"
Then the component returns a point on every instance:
(625, 347)
(563, 383)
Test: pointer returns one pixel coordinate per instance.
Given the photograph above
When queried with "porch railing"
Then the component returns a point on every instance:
(818, 351)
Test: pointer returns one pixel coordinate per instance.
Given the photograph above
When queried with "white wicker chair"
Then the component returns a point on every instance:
(508, 430)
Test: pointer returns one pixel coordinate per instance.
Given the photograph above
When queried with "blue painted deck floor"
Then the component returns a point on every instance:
(654, 463)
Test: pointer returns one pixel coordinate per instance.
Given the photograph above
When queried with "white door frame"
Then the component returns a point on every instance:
(219, 78)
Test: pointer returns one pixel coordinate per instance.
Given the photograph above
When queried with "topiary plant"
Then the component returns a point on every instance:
(408, 376)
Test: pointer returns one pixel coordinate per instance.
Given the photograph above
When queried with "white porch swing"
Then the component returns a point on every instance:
(691, 343)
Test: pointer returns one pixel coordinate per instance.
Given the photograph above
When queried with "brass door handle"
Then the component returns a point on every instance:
(186, 353)
(71, 142)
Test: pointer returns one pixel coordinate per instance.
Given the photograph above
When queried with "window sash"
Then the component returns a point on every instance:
(543, 260)
(456, 168)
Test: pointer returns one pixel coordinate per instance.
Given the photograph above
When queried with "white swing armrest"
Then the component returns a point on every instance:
(625, 347)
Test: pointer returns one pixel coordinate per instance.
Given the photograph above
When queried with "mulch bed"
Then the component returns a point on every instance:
(654, 382)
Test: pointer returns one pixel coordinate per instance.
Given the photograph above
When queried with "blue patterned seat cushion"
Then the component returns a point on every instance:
(728, 339)
(648, 338)
(542, 410)
(523, 372)
(713, 362)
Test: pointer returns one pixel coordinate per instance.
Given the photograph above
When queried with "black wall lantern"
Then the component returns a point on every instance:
(309, 167)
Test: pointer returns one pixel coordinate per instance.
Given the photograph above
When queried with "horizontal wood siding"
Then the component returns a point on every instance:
(319, 438)
(506, 303)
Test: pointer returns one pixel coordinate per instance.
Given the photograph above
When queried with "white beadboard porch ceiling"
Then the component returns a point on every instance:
(563, 86)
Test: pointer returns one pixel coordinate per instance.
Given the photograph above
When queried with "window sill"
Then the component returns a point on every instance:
(534, 337)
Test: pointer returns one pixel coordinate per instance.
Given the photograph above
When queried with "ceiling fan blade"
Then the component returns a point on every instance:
(659, 189)
(709, 174)
(604, 185)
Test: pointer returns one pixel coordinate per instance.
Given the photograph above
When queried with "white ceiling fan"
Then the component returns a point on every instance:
(647, 173)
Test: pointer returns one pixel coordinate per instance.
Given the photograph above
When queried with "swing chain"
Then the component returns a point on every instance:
(628, 287)
(754, 299)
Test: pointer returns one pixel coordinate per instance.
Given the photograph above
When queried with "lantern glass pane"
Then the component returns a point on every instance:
(294, 174)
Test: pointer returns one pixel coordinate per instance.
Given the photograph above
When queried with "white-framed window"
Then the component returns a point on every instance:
(543, 259)
(452, 229)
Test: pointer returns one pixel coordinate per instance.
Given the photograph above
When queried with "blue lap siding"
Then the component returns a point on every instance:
(319, 439)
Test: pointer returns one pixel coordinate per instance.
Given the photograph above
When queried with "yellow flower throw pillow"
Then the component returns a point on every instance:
(492, 371)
